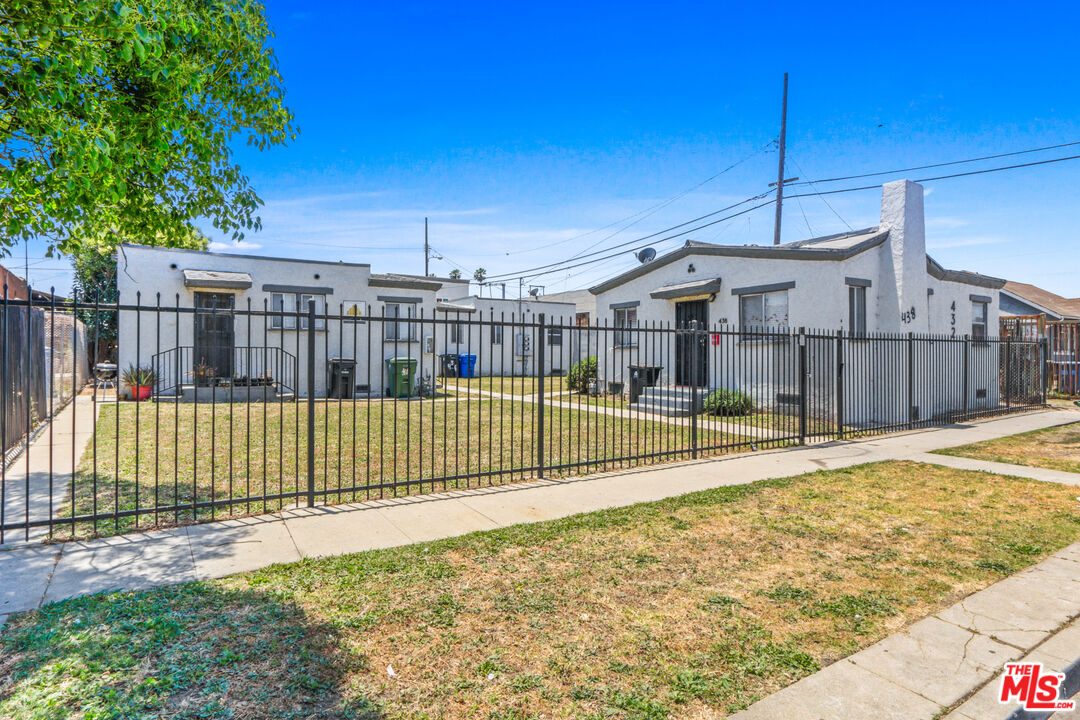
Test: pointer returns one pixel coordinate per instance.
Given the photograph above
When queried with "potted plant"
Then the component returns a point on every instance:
(140, 380)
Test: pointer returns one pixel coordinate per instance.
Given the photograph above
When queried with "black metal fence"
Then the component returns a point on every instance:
(252, 410)
(42, 360)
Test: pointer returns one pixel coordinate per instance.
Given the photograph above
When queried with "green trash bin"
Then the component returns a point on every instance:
(399, 376)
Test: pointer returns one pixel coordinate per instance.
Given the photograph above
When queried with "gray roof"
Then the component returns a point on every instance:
(962, 276)
(830, 247)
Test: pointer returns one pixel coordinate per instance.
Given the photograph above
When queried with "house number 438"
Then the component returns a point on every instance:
(908, 316)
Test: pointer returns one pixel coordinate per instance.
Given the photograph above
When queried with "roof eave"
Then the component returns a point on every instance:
(765, 252)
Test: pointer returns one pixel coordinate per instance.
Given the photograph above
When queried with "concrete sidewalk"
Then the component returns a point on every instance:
(35, 574)
(949, 662)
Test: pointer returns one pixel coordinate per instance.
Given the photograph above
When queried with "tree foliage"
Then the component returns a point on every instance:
(120, 116)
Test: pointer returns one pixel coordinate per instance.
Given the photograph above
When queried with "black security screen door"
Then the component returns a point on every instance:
(213, 336)
(688, 369)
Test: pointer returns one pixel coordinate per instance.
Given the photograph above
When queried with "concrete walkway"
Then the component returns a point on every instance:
(746, 433)
(52, 459)
(34, 574)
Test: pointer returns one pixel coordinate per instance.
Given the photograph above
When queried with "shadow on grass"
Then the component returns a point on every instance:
(198, 650)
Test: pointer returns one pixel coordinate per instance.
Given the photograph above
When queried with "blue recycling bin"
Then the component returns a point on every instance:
(466, 366)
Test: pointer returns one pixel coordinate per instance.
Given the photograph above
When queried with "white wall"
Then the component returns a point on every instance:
(143, 273)
(514, 317)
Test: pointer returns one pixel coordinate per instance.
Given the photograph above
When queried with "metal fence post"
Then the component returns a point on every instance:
(694, 370)
(802, 386)
(1008, 372)
(840, 384)
(967, 380)
(1044, 366)
(540, 396)
(311, 404)
(911, 379)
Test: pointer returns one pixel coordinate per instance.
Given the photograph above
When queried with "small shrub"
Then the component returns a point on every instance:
(728, 402)
(581, 374)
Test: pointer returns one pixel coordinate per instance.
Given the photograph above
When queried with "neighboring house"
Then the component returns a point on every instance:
(584, 303)
(875, 280)
(501, 333)
(1023, 299)
(12, 284)
(216, 342)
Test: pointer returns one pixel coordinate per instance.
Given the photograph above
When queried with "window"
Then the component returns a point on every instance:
(581, 319)
(289, 303)
(763, 310)
(625, 318)
(978, 320)
(554, 336)
(496, 334)
(457, 333)
(401, 330)
(857, 310)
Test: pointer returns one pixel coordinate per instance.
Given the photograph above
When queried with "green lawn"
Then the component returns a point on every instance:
(179, 454)
(1056, 448)
(691, 607)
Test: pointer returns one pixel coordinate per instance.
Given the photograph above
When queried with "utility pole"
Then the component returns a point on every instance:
(427, 249)
(780, 175)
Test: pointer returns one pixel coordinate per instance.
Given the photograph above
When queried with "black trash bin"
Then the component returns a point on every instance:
(342, 378)
(448, 365)
(642, 376)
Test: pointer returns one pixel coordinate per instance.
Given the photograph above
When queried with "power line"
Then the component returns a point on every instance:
(562, 266)
(944, 177)
(647, 212)
(645, 237)
(935, 165)
(529, 274)
(811, 182)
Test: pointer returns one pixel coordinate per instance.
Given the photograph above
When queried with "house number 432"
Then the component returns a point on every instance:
(908, 316)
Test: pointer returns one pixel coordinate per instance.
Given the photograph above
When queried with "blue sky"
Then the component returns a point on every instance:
(519, 129)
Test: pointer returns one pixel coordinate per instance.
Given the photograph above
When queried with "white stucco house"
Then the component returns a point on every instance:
(501, 332)
(874, 280)
(266, 337)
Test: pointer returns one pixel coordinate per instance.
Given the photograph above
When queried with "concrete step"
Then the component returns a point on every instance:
(680, 393)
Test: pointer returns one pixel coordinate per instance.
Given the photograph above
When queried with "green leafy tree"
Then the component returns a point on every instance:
(479, 275)
(455, 274)
(121, 115)
(96, 262)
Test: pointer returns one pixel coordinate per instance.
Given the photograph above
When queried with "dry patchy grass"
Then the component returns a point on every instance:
(1056, 448)
(172, 455)
(692, 605)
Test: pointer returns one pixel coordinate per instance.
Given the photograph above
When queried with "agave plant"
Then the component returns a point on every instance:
(136, 376)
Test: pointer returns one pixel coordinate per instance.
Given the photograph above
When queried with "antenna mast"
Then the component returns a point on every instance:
(427, 249)
(780, 175)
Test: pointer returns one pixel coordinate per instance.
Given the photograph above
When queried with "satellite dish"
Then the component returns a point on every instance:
(534, 291)
(646, 255)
